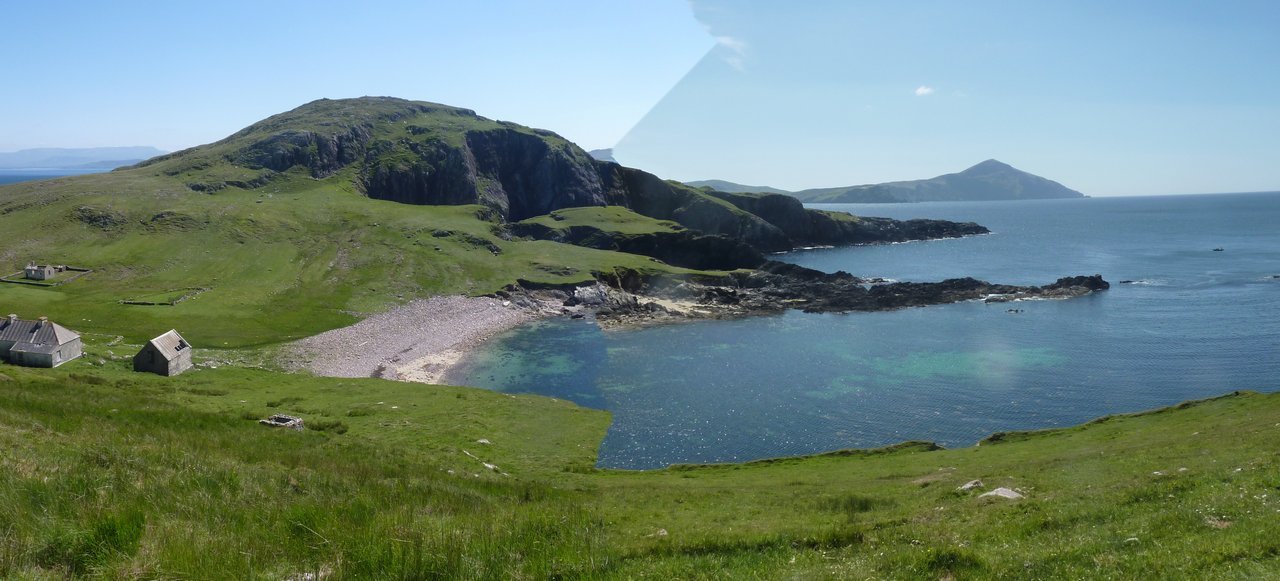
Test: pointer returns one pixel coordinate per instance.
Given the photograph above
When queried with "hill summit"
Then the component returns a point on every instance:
(989, 180)
(429, 154)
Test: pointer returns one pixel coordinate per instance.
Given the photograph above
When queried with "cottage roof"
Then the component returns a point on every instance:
(46, 333)
(169, 344)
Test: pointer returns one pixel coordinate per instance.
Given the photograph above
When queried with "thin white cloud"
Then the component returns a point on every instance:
(924, 91)
(737, 49)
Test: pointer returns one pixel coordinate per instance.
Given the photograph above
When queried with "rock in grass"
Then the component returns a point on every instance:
(970, 485)
(1002, 492)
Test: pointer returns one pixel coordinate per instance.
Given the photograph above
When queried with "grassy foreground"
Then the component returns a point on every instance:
(107, 473)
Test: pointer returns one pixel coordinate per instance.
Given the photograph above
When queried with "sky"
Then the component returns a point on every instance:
(1109, 98)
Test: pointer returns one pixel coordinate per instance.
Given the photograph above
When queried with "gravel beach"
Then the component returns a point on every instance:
(418, 341)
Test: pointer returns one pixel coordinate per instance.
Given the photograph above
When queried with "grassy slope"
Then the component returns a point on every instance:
(290, 259)
(123, 474)
(608, 218)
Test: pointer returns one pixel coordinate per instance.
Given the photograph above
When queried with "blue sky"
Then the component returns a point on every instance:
(1107, 98)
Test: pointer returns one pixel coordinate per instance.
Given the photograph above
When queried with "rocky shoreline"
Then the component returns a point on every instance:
(778, 286)
(422, 340)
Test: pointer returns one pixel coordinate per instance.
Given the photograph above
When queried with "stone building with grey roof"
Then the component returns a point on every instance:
(169, 354)
(38, 343)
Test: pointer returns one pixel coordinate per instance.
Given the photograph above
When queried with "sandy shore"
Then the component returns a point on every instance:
(418, 341)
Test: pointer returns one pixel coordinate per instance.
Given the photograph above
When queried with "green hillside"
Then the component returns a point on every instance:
(309, 219)
(274, 255)
(287, 260)
(113, 474)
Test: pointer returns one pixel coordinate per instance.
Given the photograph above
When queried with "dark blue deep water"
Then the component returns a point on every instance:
(13, 176)
(1197, 323)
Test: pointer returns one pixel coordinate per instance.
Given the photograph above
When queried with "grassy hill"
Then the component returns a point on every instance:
(285, 261)
(309, 219)
(275, 255)
(108, 473)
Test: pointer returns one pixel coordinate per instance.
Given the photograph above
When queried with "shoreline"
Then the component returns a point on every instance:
(419, 341)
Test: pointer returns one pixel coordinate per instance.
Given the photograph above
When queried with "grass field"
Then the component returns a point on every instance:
(114, 474)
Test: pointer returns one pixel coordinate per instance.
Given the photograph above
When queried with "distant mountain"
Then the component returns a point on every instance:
(76, 158)
(989, 180)
(602, 154)
(723, 186)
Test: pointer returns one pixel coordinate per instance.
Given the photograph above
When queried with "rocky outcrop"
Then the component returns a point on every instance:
(807, 227)
(323, 154)
(646, 194)
(776, 286)
(684, 248)
(103, 218)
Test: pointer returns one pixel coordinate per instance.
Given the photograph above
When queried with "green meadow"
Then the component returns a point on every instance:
(113, 474)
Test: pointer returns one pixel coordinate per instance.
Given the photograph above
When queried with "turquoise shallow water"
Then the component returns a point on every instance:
(1197, 323)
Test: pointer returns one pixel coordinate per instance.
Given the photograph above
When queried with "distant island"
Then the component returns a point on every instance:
(990, 180)
(80, 158)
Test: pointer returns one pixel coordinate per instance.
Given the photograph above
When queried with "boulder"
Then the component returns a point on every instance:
(1003, 492)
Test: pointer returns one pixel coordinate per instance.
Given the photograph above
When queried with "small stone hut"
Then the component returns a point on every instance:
(35, 271)
(169, 354)
(38, 343)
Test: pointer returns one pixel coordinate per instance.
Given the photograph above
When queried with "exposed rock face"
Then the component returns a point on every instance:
(531, 176)
(653, 197)
(805, 227)
(323, 154)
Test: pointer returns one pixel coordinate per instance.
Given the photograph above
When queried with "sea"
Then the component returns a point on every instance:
(1193, 312)
(13, 176)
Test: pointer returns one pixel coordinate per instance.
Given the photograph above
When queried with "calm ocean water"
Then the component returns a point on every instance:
(1197, 323)
(13, 176)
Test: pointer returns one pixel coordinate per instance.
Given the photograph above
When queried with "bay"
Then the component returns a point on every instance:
(1194, 322)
